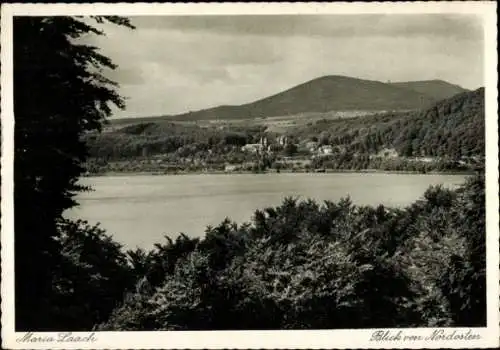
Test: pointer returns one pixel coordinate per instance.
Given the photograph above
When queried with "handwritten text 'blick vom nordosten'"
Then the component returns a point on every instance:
(435, 335)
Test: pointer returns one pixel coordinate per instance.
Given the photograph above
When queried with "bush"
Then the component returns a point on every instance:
(92, 278)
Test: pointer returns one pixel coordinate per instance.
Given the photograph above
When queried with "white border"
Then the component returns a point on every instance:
(251, 339)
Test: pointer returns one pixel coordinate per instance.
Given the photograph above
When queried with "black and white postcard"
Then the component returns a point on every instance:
(249, 175)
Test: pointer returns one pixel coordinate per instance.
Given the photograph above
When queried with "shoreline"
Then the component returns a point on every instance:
(328, 171)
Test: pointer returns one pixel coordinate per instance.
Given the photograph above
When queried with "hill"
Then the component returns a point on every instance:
(435, 89)
(328, 93)
(321, 95)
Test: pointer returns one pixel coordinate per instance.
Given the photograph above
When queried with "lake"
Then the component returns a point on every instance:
(139, 210)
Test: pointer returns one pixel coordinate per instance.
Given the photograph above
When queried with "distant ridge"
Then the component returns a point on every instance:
(436, 89)
(330, 93)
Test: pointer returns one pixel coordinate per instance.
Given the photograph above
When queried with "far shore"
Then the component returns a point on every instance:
(287, 171)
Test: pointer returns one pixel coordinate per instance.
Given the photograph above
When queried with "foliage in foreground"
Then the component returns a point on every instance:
(302, 265)
(91, 279)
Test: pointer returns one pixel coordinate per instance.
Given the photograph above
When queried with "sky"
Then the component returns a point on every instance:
(176, 64)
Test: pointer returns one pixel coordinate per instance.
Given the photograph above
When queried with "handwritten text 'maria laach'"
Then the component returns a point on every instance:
(66, 337)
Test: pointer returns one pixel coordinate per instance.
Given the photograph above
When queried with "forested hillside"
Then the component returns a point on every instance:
(451, 128)
(450, 134)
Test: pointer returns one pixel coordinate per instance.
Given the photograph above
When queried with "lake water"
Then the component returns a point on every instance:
(139, 210)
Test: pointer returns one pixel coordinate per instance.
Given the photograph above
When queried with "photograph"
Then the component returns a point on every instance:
(240, 172)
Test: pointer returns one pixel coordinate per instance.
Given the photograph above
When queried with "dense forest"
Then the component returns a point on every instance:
(450, 135)
(452, 128)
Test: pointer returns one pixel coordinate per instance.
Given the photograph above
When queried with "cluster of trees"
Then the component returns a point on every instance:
(180, 147)
(181, 140)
